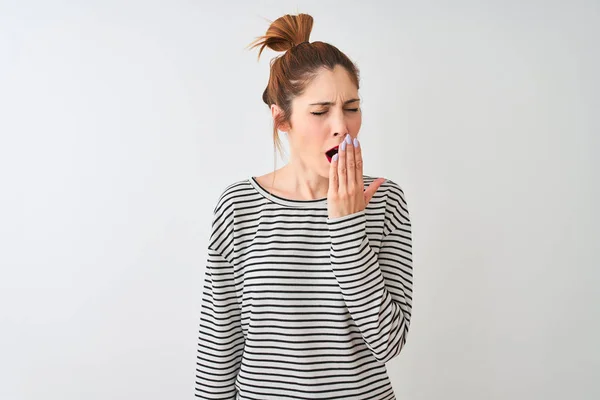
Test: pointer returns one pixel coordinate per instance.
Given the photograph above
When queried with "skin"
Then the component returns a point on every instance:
(309, 175)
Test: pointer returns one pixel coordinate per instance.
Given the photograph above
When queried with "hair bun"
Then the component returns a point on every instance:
(284, 33)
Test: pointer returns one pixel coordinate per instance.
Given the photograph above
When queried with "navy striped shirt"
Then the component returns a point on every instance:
(296, 305)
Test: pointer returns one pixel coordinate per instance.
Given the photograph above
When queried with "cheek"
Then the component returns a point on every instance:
(313, 126)
(355, 123)
(310, 134)
(314, 132)
(316, 135)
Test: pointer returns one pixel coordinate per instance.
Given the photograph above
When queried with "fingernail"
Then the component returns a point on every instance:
(343, 146)
(348, 139)
(335, 157)
(355, 142)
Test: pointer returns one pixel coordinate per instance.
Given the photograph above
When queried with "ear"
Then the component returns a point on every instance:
(275, 112)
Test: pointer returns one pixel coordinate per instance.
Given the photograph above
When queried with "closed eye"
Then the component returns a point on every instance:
(347, 109)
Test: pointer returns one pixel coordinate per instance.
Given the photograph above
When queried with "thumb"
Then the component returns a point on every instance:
(372, 188)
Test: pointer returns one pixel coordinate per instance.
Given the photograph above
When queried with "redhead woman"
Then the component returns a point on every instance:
(308, 284)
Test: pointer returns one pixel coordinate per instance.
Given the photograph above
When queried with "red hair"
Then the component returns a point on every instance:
(292, 71)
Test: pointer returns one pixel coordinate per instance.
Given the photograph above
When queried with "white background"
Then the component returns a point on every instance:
(122, 121)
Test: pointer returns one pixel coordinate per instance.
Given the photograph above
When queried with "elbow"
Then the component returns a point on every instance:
(393, 350)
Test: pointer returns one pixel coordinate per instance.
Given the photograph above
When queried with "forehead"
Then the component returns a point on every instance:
(330, 86)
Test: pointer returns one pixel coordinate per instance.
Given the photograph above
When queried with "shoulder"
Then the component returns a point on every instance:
(223, 213)
(391, 196)
(390, 188)
(231, 194)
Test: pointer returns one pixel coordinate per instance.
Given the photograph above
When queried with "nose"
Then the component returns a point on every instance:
(339, 125)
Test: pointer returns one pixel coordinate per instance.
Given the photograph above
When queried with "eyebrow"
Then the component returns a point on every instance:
(329, 103)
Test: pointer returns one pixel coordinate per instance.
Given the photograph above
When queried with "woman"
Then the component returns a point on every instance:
(308, 286)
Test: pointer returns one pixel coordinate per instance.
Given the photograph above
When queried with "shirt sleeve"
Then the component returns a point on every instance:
(221, 340)
(377, 288)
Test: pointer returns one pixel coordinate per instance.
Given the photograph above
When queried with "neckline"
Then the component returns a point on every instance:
(284, 201)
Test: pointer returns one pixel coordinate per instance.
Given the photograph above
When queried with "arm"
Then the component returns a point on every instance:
(377, 288)
(221, 340)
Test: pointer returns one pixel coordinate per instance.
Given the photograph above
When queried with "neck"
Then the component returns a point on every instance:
(300, 181)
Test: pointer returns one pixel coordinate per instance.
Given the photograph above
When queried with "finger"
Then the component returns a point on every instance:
(333, 176)
(342, 168)
(370, 191)
(350, 166)
(359, 165)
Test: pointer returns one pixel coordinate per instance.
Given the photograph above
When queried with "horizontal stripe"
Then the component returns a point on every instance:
(297, 305)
